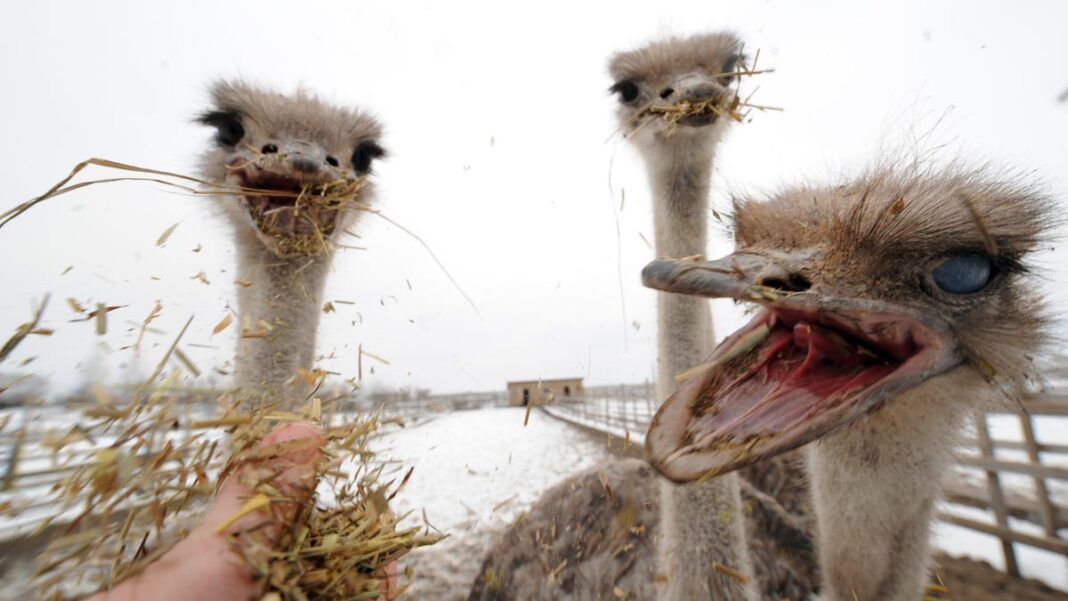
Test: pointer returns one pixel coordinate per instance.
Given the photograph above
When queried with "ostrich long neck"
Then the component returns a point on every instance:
(680, 183)
(702, 522)
(286, 295)
(875, 485)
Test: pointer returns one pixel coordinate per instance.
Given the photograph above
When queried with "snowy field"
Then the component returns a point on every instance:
(475, 472)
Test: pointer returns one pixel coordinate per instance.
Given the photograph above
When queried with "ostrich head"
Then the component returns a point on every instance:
(693, 70)
(864, 293)
(307, 162)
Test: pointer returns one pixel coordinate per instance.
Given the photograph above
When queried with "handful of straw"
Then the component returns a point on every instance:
(127, 502)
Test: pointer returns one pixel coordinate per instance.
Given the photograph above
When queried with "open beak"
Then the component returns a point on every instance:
(806, 364)
(294, 209)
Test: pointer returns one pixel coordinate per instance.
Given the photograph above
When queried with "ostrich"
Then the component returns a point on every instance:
(888, 310)
(592, 533)
(290, 150)
(309, 163)
(679, 162)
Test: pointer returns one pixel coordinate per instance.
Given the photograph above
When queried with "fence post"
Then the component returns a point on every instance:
(1049, 521)
(631, 416)
(997, 496)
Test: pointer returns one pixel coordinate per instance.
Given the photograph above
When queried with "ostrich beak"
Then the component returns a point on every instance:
(694, 100)
(807, 364)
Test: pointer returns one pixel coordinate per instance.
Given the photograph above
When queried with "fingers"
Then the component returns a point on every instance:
(204, 565)
(287, 459)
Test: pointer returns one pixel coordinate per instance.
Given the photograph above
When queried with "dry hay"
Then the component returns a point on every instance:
(144, 470)
(724, 105)
(341, 196)
(309, 206)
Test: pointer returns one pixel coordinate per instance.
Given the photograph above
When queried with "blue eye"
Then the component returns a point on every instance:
(963, 274)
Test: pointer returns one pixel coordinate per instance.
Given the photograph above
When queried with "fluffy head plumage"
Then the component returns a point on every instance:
(882, 235)
(315, 157)
(670, 71)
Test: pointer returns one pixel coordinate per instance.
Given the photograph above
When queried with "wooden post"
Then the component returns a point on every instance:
(1049, 521)
(997, 496)
(632, 414)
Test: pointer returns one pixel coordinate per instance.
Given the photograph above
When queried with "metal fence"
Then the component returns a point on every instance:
(1020, 478)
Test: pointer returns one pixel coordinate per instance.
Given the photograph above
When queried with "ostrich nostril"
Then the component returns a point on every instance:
(331, 161)
(666, 92)
(793, 282)
(269, 149)
(303, 164)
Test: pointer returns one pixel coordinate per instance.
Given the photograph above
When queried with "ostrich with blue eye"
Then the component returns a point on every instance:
(888, 311)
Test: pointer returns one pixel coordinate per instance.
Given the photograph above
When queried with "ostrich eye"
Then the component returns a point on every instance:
(627, 90)
(730, 65)
(363, 154)
(964, 273)
(230, 131)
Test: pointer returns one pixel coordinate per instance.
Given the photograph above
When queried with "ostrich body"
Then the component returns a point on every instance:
(577, 527)
(889, 310)
(308, 163)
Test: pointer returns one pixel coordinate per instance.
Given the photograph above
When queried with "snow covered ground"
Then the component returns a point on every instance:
(475, 472)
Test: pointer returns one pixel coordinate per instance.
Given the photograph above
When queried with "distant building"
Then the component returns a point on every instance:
(543, 392)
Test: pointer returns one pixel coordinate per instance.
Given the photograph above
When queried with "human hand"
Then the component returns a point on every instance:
(204, 565)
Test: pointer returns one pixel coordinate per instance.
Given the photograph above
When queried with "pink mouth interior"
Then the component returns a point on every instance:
(801, 369)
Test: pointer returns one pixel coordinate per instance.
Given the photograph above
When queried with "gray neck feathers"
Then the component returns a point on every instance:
(702, 522)
(286, 295)
(875, 485)
(680, 181)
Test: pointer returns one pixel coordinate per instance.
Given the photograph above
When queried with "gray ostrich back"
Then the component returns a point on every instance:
(584, 539)
(594, 536)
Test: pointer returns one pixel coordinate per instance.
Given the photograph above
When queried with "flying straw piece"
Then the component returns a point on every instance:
(23, 330)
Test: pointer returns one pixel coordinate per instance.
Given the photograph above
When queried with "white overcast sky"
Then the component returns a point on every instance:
(498, 124)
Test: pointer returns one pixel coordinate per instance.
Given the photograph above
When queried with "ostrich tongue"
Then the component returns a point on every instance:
(779, 382)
